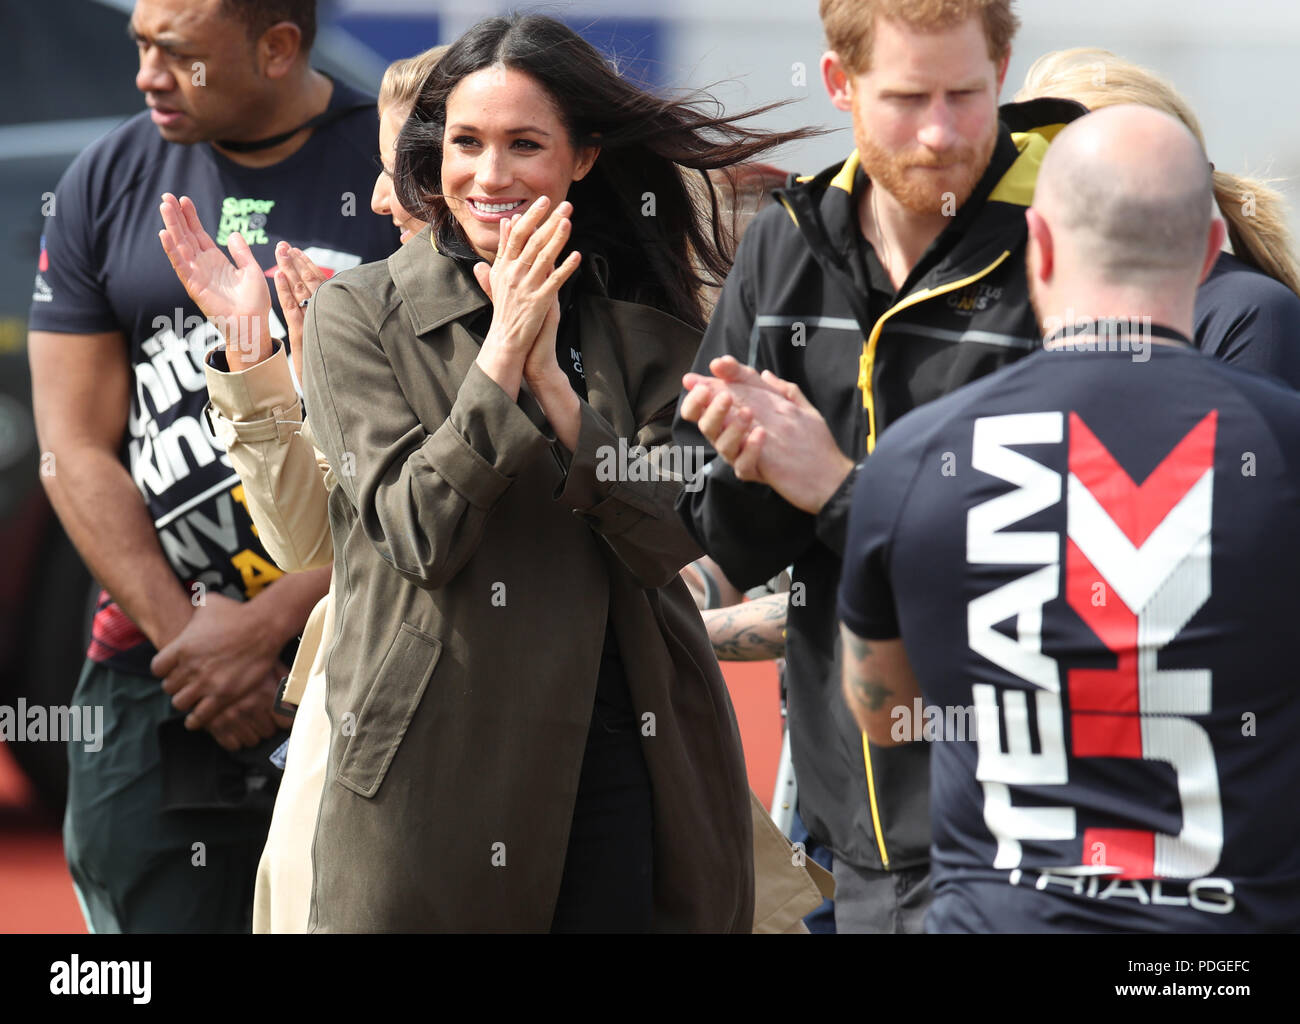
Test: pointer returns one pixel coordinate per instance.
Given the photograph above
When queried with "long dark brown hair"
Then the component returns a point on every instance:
(647, 145)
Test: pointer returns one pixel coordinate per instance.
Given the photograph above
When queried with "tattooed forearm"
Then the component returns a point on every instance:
(868, 691)
(872, 693)
(752, 631)
(857, 647)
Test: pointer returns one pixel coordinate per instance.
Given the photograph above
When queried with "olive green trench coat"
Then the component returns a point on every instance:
(476, 562)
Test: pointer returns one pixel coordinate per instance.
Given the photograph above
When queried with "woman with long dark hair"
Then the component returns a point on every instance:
(657, 226)
(530, 731)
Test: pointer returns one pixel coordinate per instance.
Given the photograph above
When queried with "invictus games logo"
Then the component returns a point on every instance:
(974, 299)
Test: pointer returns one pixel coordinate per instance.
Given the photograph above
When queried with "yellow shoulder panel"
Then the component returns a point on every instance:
(1017, 185)
(843, 179)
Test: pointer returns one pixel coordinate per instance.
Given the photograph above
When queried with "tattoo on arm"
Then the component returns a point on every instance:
(872, 693)
(751, 631)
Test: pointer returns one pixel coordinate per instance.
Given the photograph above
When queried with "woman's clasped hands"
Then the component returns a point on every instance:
(523, 284)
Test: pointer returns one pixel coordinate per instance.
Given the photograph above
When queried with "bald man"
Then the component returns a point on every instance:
(1076, 579)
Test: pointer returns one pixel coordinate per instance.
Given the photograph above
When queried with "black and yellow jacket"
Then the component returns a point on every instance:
(797, 303)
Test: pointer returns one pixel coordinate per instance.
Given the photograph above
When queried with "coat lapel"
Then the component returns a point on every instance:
(606, 391)
(434, 290)
(631, 384)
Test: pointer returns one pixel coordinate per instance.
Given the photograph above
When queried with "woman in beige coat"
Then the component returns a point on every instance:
(256, 408)
(282, 477)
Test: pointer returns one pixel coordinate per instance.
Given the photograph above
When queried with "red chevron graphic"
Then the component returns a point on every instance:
(1105, 704)
(1116, 626)
(1139, 510)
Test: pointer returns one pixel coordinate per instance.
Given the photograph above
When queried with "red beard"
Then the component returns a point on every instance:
(928, 192)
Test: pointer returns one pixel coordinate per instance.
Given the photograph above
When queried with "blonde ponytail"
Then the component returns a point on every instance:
(1257, 227)
(1255, 213)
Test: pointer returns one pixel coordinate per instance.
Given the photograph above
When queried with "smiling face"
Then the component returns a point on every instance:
(383, 200)
(504, 147)
(198, 69)
(925, 117)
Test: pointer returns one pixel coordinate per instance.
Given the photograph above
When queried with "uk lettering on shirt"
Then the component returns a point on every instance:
(1116, 628)
(1137, 569)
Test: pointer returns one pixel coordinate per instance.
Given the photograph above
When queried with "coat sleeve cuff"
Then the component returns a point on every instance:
(601, 502)
(251, 393)
(255, 404)
(486, 441)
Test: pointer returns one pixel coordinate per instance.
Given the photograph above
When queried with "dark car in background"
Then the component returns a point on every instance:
(67, 76)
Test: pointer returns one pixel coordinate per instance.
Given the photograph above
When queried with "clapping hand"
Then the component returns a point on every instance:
(767, 431)
(234, 296)
(296, 281)
(523, 284)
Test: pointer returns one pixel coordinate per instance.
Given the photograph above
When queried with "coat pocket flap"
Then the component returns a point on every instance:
(387, 711)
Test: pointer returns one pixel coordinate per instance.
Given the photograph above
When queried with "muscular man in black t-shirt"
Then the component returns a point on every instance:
(1090, 558)
(164, 827)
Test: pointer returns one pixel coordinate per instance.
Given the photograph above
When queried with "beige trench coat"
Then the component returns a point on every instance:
(258, 416)
(286, 482)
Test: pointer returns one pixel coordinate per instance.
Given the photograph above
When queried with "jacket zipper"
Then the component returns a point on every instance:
(866, 365)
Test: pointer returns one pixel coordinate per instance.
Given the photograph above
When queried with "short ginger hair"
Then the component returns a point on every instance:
(851, 24)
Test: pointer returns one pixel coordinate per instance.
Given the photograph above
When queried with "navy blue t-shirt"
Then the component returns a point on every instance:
(103, 269)
(1247, 318)
(1093, 563)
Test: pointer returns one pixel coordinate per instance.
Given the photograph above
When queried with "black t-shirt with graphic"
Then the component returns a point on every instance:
(1093, 564)
(103, 269)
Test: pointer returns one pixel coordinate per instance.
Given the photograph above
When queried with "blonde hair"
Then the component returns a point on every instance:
(1254, 212)
(851, 24)
(404, 78)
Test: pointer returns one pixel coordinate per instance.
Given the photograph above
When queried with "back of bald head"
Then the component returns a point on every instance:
(1128, 190)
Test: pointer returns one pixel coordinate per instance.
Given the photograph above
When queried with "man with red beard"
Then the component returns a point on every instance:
(878, 285)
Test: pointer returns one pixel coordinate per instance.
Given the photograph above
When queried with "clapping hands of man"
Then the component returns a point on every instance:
(767, 431)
